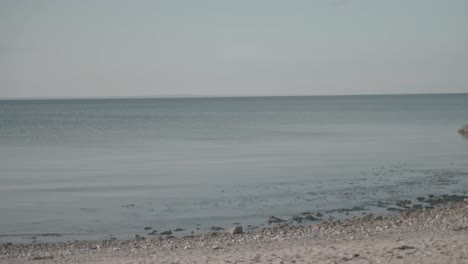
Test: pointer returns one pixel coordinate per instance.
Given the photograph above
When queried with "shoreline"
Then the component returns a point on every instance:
(313, 217)
(415, 231)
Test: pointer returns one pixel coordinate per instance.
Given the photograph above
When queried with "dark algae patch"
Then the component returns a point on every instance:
(275, 220)
(445, 199)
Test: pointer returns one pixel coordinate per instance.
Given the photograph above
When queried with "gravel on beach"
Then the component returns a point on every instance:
(437, 235)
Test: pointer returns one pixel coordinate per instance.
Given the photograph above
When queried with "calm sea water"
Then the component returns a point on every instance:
(108, 168)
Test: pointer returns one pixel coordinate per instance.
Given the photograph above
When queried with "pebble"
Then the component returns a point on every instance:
(236, 230)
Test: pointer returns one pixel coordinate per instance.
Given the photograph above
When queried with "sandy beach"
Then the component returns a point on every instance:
(438, 235)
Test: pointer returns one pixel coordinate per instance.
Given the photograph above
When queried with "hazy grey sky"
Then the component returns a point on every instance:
(240, 47)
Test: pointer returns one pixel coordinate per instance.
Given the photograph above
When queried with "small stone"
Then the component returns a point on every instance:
(216, 228)
(217, 247)
(96, 247)
(236, 230)
(148, 228)
(405, 247)
(138, 237)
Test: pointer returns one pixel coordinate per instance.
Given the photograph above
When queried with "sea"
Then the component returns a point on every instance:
(86, 169)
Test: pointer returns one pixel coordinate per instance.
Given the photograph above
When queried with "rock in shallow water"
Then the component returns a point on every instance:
(463, 130)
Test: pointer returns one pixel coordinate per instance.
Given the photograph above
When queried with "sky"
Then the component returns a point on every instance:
(107, 48)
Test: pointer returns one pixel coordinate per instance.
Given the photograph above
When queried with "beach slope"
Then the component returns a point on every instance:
(437, 235)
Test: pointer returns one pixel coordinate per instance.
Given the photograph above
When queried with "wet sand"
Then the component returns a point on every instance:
(438, 235)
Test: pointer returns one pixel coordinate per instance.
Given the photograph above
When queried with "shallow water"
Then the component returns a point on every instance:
(90, 169)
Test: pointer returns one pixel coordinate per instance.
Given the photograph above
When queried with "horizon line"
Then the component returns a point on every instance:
(182, 96)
